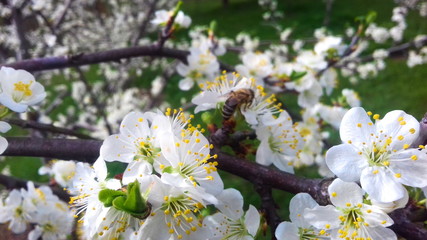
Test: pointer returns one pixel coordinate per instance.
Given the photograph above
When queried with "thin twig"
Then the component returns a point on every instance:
(393, 51)
(61, 18)
(47, 127)
(100, 107)
(20, 32)
(268, 207)
(144, 24)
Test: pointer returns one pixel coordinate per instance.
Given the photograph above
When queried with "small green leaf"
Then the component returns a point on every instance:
(297, 75)
(107, 196)
(370, 18)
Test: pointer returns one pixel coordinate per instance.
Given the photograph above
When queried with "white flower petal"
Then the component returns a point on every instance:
(398, 124)
(264, 153)
(322, 216)
(343, 157)
(412, 172)
(382, 233)
(381, 185)
(118, 147)
(3, 144)
(7, 100)
(186, 84)
(376, 217)
(136, 170)
(298, 204)
(4, 127)
(341, 193)
(230, 203)
(287, 231)
(356, 126)
(252, 220)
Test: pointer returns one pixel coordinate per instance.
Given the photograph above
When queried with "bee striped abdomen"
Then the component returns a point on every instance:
(238, 98)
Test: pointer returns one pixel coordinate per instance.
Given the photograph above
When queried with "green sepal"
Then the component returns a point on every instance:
(107, 196)
(133, 203)
(168, 169)
(297, 75)
(177, 8)
(4, 111)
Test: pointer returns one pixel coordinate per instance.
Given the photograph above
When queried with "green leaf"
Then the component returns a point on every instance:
(107, 196)
(297, 75)
(370, 18)
(133, 203)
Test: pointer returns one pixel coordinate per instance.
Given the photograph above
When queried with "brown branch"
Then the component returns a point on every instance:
(66, 149)
(49, 63)
(47, 127)
(88, 151)
(403, 225)
(268, 207)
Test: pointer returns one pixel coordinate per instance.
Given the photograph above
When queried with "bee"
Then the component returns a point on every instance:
(239, 98)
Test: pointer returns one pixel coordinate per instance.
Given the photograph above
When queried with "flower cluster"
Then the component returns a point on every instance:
(39, 206)
(169, 179)
(350, 216)
(18, 91)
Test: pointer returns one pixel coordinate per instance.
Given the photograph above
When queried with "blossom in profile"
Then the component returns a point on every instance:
(162, 17)
(19, 89)
(379, 155)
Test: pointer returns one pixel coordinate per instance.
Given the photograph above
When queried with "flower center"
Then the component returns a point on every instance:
(48, 227)
(24, 88)
(182, 209)
(310, 234)
(378, 153)
(352, 220)
(146, 151)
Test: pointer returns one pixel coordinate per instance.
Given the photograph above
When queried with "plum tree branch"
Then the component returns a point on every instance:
(47, 128)
(49, 63)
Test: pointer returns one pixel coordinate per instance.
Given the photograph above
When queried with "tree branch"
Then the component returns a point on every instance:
(49, 63)
(66, 149)
(268, 207)
(47, 127)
